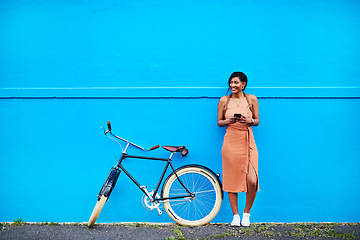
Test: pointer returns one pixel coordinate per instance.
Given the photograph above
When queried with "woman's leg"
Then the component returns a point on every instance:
(252, 182)
(233, 198)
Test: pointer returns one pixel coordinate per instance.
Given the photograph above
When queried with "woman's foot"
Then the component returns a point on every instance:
(236, 221)
(245, 222)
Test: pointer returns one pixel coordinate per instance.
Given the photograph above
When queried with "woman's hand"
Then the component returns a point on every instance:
(231, 120)
(223, 123)
(245, 119)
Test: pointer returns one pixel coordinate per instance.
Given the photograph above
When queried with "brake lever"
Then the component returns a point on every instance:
(105, 132)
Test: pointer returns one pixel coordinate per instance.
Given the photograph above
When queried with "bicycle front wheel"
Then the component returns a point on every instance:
(199, 209)
(97, 209)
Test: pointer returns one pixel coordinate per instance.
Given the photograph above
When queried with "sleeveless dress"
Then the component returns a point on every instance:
(238, 150)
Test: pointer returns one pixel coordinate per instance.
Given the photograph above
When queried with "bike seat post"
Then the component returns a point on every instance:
(171, 155)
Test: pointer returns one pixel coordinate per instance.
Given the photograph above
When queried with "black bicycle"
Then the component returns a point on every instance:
(191, 194)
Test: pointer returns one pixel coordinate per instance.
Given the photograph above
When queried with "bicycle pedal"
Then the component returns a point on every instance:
(159, 211)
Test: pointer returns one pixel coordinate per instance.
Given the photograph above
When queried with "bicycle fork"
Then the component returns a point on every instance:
(112, 178)
(110, 183)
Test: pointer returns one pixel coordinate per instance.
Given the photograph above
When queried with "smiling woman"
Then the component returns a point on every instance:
(239, 111)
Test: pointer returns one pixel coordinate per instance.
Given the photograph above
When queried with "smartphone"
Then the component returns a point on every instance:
(237, 115)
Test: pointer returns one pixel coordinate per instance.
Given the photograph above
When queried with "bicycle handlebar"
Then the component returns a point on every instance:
(109, 131)
(184, 152)
(127, 141)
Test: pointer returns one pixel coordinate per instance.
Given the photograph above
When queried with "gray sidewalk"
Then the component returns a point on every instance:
(172, 231)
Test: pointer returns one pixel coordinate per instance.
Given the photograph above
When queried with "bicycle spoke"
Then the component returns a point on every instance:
(200, 208)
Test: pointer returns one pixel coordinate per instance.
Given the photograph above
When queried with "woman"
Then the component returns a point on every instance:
(239, 152)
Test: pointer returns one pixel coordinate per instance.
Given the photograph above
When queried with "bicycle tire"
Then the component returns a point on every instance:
(199, 210)
(97, 209)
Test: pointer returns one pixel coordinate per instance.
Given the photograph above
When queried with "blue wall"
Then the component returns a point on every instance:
(156, 70)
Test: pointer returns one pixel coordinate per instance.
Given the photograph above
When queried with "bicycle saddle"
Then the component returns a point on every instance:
(177, 149)
(173, 148)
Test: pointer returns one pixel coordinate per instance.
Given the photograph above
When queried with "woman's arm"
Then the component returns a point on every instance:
(255, 105)
(220, 119)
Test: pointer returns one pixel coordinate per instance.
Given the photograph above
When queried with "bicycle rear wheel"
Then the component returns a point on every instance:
(200, 209)
(97, 209)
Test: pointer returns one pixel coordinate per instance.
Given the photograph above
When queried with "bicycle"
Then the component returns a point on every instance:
(191, 194)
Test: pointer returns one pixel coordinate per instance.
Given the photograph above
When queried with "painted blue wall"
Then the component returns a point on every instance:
(156, 70)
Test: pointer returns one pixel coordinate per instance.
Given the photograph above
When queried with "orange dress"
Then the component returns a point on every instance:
(238, 150)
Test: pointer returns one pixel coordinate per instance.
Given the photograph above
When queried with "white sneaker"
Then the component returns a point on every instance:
(236, 221)
(246, 220)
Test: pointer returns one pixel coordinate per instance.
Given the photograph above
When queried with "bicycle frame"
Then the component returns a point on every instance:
(152, 198)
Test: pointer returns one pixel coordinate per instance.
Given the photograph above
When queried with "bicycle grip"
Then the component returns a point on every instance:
(109, 126)
(154, 147)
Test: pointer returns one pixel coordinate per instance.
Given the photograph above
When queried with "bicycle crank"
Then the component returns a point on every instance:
(151, 205)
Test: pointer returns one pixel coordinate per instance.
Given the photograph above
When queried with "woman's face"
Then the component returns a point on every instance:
(236, 85)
